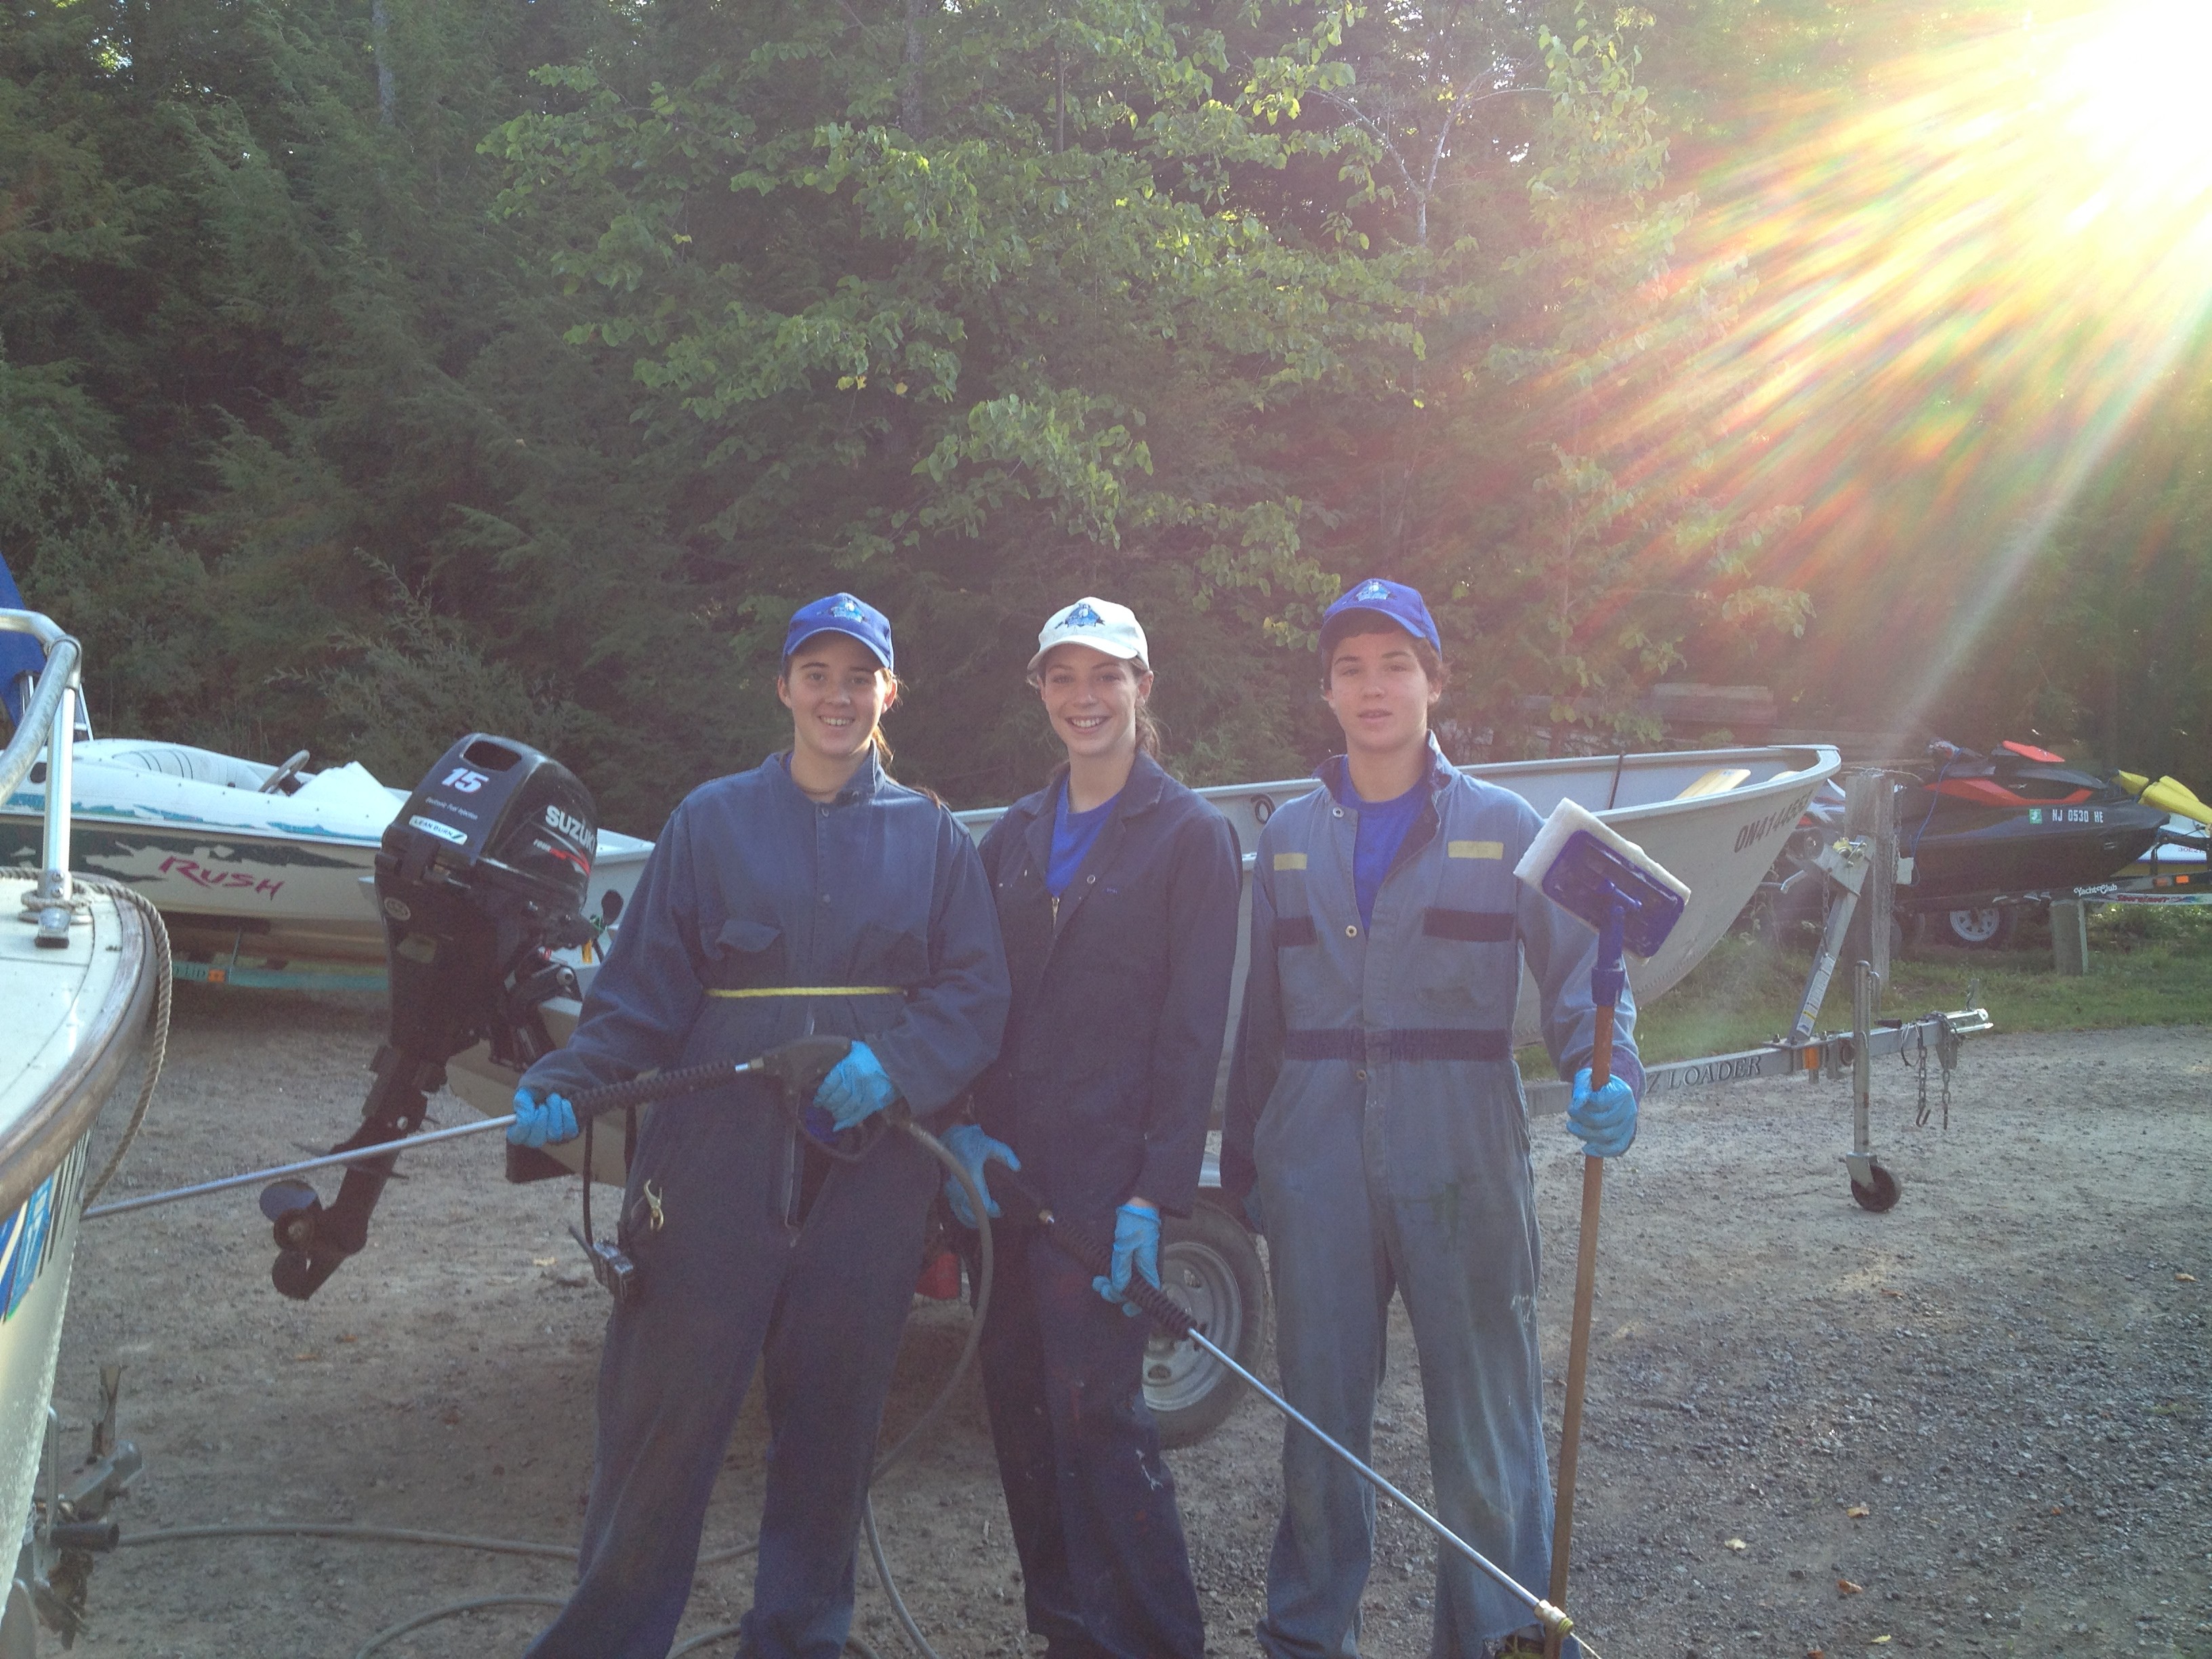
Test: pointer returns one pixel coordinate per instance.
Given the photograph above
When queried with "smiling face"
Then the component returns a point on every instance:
(1380, 693)
(836, 691)
(1092, 699)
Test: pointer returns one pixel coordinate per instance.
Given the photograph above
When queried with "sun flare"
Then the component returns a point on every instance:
(1976, 265)
(2126, 83)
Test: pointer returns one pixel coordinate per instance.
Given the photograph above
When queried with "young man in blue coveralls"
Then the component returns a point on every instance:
(1377, 1135)
(812, 894)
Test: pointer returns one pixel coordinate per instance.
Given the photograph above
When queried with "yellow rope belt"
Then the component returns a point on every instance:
(814, 991)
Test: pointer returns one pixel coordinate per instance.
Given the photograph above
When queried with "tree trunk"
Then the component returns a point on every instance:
(379, 26)
(910, 115)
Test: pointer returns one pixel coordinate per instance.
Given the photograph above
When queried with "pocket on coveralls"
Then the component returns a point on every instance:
(748, 952)
(891, 955)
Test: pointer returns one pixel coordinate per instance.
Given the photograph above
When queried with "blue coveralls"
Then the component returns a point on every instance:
(1104, 1090)
(767, 1251)
(1375, 1111)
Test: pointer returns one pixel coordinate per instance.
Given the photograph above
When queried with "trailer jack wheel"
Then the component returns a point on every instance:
(1877, 1193)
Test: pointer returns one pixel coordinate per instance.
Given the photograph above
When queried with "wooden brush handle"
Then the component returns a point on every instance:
(1570, 1417)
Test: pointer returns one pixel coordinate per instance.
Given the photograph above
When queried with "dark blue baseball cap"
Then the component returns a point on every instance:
(841, 613)
(1394, 603)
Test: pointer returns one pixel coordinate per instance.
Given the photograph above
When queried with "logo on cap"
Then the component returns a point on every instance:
(1083, 617)
(1373, 590)
(846, 607)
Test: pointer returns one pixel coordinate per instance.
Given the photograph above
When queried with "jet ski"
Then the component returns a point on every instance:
(1982, 836)
(2017, 820)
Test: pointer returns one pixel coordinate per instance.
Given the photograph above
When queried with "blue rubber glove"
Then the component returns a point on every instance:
(856, 1089)
(1253, 1221)
(1604, 1120)
(539, 1123)
(967, 1143)
(1136, 1242)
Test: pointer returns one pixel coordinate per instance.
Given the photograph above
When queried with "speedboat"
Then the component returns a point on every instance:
(250, 864)
(1715, 817)
(79, 970)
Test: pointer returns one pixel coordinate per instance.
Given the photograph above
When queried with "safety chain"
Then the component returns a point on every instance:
(1946, 1054)
(1920, 1103)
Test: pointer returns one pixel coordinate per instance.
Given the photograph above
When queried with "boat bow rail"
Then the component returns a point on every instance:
(49, 723)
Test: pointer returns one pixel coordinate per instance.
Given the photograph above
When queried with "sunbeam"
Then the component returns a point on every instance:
(1972, 273)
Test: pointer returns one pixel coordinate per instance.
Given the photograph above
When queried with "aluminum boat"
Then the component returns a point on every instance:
(1716, 817)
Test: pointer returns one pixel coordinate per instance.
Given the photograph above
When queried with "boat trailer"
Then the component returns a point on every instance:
(1800, 1052)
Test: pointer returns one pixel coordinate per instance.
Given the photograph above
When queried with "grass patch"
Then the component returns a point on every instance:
(2147, 966)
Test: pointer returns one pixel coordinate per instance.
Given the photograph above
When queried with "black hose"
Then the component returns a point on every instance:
(393, 1632)
(659, 1087)
(644, 1090)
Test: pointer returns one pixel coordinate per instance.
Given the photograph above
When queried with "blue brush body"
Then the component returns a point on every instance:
(1590, 880)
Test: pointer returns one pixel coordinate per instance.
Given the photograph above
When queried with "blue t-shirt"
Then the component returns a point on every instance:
(1074, 833)
(1383, 826)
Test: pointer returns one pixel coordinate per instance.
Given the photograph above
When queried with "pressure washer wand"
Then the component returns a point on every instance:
(800, 1065)
(1165, 1312)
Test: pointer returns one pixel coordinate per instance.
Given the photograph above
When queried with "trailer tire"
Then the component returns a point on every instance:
(19, 1623)
(1210, 1265)
(1976, 927)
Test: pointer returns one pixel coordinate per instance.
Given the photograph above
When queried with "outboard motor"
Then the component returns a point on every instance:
(483, 874)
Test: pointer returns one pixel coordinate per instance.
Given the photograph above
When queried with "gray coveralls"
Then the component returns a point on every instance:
(1376, 1112)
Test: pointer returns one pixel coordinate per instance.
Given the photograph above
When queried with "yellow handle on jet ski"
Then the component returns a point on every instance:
(2168, 795)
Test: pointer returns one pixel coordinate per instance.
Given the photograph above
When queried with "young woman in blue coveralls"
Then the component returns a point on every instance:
(1377, 1135)
(810, 894)
(1117, 890)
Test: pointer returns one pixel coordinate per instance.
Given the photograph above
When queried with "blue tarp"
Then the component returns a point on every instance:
(20, 655)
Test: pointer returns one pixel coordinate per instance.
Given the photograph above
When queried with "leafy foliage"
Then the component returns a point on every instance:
(375, 372)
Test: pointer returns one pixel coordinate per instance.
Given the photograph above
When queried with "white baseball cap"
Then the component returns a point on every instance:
(1099, 623)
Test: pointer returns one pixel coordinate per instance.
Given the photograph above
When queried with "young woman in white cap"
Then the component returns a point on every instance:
(810, 894)
(1116, 890)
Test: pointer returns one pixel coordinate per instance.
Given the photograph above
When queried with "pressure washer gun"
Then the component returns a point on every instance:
(798, 1067)
(1607, 881)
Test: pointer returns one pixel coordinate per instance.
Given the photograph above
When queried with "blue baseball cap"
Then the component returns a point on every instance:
(841, 613)
(1394, 603)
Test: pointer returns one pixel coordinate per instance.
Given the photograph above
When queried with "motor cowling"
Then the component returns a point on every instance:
(483, 874)
(485, 868)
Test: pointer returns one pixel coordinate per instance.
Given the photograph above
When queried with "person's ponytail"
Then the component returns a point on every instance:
(1148, 732)
(883, 744)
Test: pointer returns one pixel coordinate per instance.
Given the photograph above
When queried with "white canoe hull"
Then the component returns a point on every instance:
(1715, 817)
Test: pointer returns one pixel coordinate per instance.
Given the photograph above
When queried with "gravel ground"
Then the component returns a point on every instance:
(1976, 1425)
